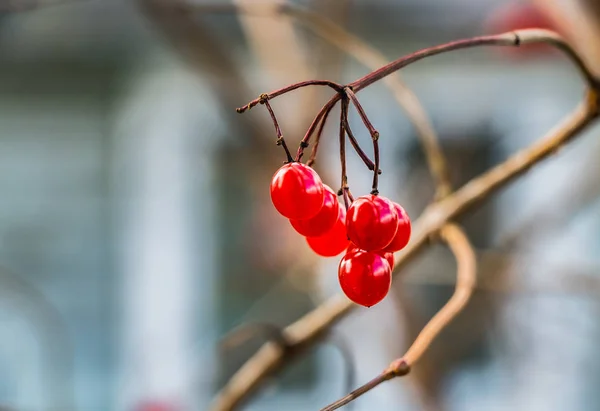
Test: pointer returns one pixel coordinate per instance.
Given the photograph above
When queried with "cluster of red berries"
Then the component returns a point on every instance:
(370, 231)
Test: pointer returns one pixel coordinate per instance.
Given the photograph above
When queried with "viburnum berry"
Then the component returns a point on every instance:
(371, 222)
(325, 218)
(334, 241)
(402, 234)
(365, 277)
(389, 257)
(297, 191)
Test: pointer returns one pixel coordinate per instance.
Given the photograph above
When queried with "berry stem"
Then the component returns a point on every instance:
(344, 186)
(350, 196)
(280, 140)
(374, 136)
(337, 87)
(364, 157)
(313, 153)
(311, 129)
(375, 187)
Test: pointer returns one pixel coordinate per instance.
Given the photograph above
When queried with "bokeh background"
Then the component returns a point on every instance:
(136, 228)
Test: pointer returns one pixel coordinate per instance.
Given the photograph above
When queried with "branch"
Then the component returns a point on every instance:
(308, 329)
(363, 156)
(280, 139)
(513, 38)
(313, 153)
(465, 281)
(374, 137)
(373, 59)
(320, 118)
(370, 58)
(284, 90)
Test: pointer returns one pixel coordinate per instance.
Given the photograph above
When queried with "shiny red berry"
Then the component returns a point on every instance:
(365, 277)
(389, 257)
(402, 234)
(372, 222)
(333, 242)
(297, 191)
(325, 218)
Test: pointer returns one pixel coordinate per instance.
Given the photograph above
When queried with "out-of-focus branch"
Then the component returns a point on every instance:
(18, 6)
(369, 57)
(204, 53)
(466, 277)
(579, 22)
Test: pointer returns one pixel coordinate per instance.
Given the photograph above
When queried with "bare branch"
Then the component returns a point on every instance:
(284, 90)
(280, 139)
(387, 375)
(321, 115)
(363, 156)
(371, 58)
(342, 135)
(466, 277)
(374, 136)
(244, 332)
(513, 38)
(315, 149)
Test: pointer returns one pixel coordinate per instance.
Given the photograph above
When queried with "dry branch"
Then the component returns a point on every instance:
(466, 277)
(370, 58)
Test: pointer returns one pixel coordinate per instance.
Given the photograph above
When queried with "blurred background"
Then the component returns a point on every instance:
(136, 228)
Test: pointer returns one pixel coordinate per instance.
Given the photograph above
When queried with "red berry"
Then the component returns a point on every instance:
(297, 191)
(333, 242)
(325, 218)
(389, 257)
(371, 222)
(365, 277)
(402, 234)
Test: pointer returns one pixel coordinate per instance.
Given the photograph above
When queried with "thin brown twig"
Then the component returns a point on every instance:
(466, 277)
(244, 332)
(315, 149)
(361, 112)
(344, 180)
(371, 58)
(314, 324)
(280, 139)
(269, 96)
(311, 129)
(367, 55)
(363, 156)
(374, 136)
(512, 38)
